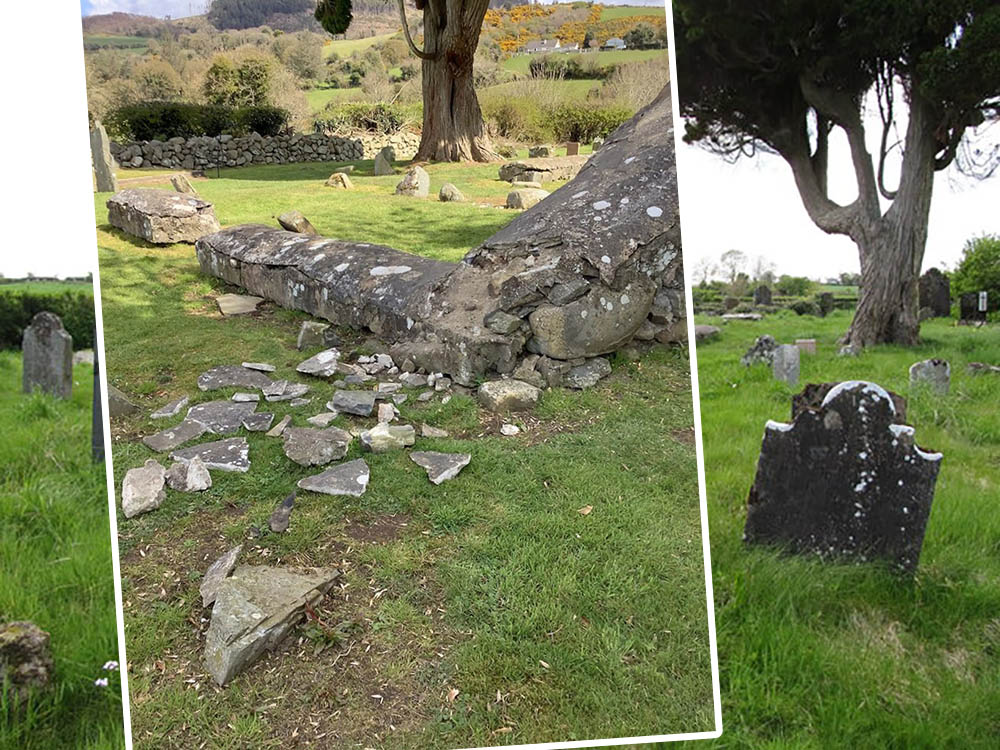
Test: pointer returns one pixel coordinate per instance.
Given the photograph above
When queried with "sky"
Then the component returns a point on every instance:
(156, 8)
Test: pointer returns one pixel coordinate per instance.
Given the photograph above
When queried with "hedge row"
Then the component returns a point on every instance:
(76, 309)
(161, 121)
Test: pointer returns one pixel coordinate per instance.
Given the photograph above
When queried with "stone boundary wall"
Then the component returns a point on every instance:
(207, 152)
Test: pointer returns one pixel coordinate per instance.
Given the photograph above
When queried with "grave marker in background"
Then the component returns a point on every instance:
(48, 356)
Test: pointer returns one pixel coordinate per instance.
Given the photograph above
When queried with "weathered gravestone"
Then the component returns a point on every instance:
(806, 346)
(47, 354)
(104, 162)
(973, 307)
(785, 364)
(573, 148)
(416, 183)
(762, 351)
(762, 295)
(935, 293)
(935, 373)
(825, 303)
(383, 162)
(844, 480)
(813, 395)
(183, 185)
(25, 660)
(161, 217)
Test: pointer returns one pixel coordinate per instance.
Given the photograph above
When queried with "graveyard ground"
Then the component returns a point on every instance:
(817, 655)
(56, 562)
(487, 610)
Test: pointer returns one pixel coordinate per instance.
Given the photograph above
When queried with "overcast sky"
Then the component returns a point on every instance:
(157, 8)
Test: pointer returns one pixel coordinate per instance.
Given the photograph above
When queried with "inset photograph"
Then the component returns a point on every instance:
(839, 198)
(402, 430)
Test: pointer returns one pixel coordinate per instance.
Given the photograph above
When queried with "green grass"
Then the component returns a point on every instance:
(320, 97)
(831, 656)
(520, 63)
(116, 41)
(550, 624)
(55, 554)
(611, 12)
(574, 90)
(47, 287)
(347, 47)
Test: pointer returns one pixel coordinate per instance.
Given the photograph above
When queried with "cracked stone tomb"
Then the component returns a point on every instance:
(573, 278)
(160, 216)
(844, 480)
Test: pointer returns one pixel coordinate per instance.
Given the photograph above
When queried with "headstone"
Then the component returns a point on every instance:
(825, 302)
(440, 467)
(416, 183)
(785, 365)
(806, 346)
(844, 481)
(762, 295)
(183, 185)
(813, 395)
(47, 353)
(383, 162)
(573, 148)
(25, 661)
(450, 194)
(524, 198)
(104, 163)
(762, 351)
(973, 307)
(935, 293)
(295, 221)
(935, 373)
(161, 217)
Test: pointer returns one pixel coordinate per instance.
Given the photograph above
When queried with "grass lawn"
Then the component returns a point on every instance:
(563, 90)
(47, 287)
(520, 63)
(611, 12)
(319, 98)
(347, 47)
(550, 624)
(55, 554)
(817, 656)
(116, 41)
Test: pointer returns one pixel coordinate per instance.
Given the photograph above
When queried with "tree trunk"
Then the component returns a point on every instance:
(453, 128)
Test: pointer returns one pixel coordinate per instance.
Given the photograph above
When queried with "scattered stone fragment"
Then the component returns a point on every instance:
(785, 364)
(191, 476)
(387, 437)
(588, 374)
(238, 304)
(762, 351)
(979, 368)
(142, 488)
(308, 446)
(416, 183)
(25, 662)
(119, 404)
(245, 398)
(339, 180)
(291, 392)
(442, 384)
(170, 410)
(387, 412)
(705, 333)
(525, 198)
(742, 316)
(297, 402)
(508, 395)
(232, 376)
(350, 478)
(935, 373)
(385, 388)
(322, 365)
(413, 379)
(440, 466)
(172, 437)
(360, 403)
(278, 522)
(509, 429)
(259, 366)
(295, 221)
(231, 454)
(182, 184)
(322, 420)
(254, 609)
(258, 421)
(425, 396)
(399, 398)
(450, 194)
(432, 432)
(311, 334)
(221, 417)
(280, 427)
(218, 572)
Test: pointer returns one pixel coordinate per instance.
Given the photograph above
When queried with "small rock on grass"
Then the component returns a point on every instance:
(509, 429)
(440, 467)
(432, 432)
(350, 478)
(282, 514)
(280, 427)
(142, 488)
(386, 437)
(359, 403)
(508, 395)
(192, 476)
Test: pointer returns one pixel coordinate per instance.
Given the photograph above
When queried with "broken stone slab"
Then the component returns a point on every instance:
(742, 316)
(321, 365)
(762, 351)
(524, 198)
(416, 183)
(308, 446)
(172, 437)
(385, 437)
(280, 427)
(844, 481)
(254, 610)
(450, 194)
(221, 417)
(258, 421)
(297, 402)
(47, 356)
(183, 185)
(245, 398)
(119, 404)
(259, 366)
(25, 661)
(543, 169)
(142, 488)
(785, 364)
(508, 395)
(170, 410)
(238, 304)
(359, 403)
(934, 373)
(290, 392)
(160, 216)
(218, 572)
(588, 374)
(440, 467)
(980, 368)
(324, 419)
(387, 412)
(432, 432)
(413, 379)
(349, 478)
(231, 454)
(191, 476)
(312, 334)
(339, 180)
(281, 516)
(232, 376)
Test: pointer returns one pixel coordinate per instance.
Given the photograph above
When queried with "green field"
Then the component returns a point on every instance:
(520, 63)
(550, 624)
(347, 47)
(116, 41)
(819, 655)
(55, 554)
(46, 287)
(318, 99)
(611, 12)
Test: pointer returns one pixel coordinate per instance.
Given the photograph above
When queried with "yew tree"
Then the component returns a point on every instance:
(782, 75)
(453, 128)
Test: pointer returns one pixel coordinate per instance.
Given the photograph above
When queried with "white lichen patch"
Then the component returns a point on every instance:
(777, 426)
(654, 211)
(601, 205)
(389, 270)
(342, 267)
(605, 259)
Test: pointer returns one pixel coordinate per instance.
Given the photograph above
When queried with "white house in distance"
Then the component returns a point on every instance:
(614, 43)
(544, 45)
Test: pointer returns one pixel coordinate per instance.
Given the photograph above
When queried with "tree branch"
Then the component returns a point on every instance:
(409, 39)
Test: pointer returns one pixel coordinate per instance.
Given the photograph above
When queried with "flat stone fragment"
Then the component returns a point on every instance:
(259, 366)
(322, 365)
(588, 374)
(290, 392)
(308, 446)
(238, 304)
(170, 410)
(142, 488)
(119, 404)
(218, 572)
(231, 454)
(432, 432)
(280, 427)
(258, 421)
(322, 420)
(386, 437)
(254, 610)
(742, 316)
(172, 437)
(508, 395)
(295, 221)
(413, 379)
(190, 476)
(935, 373)
(245, 398)
(350, 478)
(359, 403)
(161, 216)
(25, 662)
(312, 333)
(232, 376)
(844, 481)
(440, 466)
(221, 417)
(281, 516)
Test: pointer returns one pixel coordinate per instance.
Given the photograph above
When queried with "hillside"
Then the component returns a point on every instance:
(121, 24)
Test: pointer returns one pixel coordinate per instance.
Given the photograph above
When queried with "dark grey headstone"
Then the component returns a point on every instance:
(47, 356)
(762, 295)
(973, 307)
(813, 394)
(935, 293)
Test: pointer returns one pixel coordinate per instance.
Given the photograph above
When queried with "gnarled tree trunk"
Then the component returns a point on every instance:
(453, 128)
